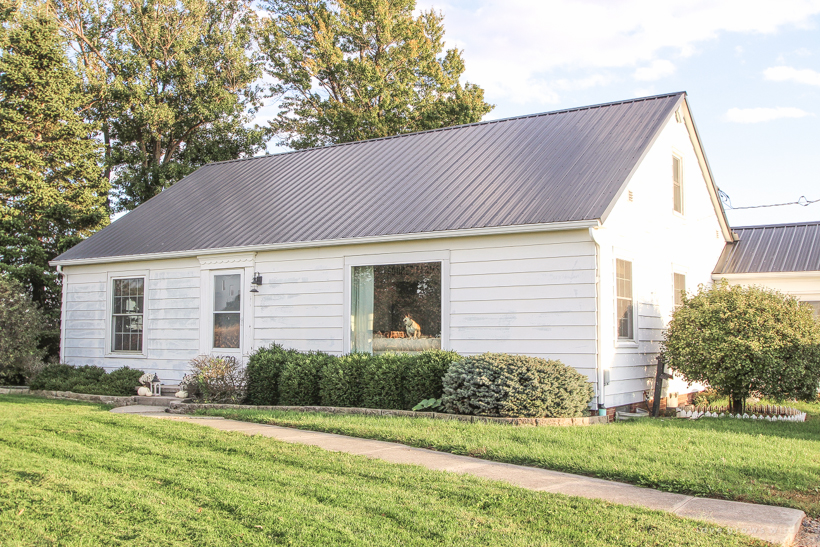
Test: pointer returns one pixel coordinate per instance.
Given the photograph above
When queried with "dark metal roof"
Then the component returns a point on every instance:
(774, 248)
(557, 166)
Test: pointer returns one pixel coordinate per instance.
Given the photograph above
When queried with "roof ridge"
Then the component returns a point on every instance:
(460, 126)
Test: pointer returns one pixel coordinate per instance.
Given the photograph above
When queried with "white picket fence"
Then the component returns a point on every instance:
(783, 415)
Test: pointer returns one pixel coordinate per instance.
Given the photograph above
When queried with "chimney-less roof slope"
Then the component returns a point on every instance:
(774, 248)
(559, 166)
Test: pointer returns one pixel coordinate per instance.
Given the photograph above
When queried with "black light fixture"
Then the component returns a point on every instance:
(256, 281)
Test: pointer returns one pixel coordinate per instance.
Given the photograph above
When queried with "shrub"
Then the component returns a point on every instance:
(263, 370)
(384, 379)
(216, 379)
(342, 380)
(424, 375)
(497, 384)
(87, 379)
(745, 340)
(299, 381)
(21, 326)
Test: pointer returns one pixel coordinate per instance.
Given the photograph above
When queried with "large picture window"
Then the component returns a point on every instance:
(623, 276)
(127, 314)
(396, 307)
(227, 310)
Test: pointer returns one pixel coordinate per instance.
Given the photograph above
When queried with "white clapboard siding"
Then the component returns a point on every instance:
(476, 308)
(659, 242)
(524, 319)
(172, 321)
(524, 265)
(542, 333)
(522, 279)
(523, 292)
(300, 303)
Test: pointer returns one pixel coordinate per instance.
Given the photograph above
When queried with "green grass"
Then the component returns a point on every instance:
(760, 462)
(75, 474)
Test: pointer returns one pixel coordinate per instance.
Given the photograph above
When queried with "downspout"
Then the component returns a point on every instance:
(599, 366)
(64, 283)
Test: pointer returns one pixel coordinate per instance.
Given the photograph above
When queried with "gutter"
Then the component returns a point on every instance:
(595, 235)
(469, 232)
(63, 283)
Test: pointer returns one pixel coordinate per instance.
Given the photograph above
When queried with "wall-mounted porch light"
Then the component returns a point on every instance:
(256, 281)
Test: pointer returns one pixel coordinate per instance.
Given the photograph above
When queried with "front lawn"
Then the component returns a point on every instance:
(773, 463)
(75, 474)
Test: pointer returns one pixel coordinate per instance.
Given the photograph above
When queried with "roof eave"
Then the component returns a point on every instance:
(469, 232)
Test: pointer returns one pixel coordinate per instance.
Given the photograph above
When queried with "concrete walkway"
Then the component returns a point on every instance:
(777, 525)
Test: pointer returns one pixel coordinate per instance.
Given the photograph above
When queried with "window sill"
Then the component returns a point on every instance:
(127, 354)
(626, 344)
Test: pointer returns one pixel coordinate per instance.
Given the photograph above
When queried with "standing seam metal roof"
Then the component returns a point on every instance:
(774, 248)
(553, 167)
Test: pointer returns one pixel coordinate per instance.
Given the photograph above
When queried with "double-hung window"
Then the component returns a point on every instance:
(127, 314)
(623, 278)
(227, 310)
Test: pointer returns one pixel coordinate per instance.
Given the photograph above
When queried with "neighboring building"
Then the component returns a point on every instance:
(564, 235)
(785, 257)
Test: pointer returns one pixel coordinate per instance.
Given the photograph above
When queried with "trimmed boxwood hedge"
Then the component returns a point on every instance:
(489, 384)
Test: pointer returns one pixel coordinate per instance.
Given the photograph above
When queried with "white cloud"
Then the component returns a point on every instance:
(655, 71)
(789, 74)
(513, 47)
(756, 115)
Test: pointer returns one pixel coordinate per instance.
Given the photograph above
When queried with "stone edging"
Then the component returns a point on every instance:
(70, 395)
(185, 408)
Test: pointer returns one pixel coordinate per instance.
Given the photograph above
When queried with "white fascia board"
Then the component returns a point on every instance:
(766, 275)
(470, 232)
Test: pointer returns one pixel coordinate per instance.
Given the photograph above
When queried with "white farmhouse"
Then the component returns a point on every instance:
(565, 235)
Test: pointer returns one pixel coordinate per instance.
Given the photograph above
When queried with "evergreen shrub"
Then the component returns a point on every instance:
(498, 384)
(264, 370)
(299, 381)
(87, 379)
(342, 380)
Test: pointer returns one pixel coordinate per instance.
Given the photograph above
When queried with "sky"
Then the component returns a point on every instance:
(751, 70)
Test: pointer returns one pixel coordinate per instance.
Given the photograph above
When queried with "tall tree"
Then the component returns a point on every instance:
(359, 69)
(52, 193)
(173, 83)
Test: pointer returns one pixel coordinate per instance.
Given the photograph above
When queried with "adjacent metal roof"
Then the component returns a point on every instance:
(553, 167)
(773, 248)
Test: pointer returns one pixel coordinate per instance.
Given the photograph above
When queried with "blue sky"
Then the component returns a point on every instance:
(751, 69)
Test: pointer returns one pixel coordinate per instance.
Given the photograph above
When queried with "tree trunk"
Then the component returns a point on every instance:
(737, 404)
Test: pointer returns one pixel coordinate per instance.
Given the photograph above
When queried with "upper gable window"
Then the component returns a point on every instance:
(677, 184)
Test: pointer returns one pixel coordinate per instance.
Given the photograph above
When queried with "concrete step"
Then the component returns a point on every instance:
(169, 390)
(156, 401)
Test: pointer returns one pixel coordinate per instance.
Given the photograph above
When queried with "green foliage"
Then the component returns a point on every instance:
(348, 71)
(263, 370)
(21, 324)
(384, 379)
(52, 193)
(299, 381)
(87, 379)
(746, 340)
(424, 375)
(498, 384)
(216, 379)
(428, 404)
(342, 380)
(172, 86)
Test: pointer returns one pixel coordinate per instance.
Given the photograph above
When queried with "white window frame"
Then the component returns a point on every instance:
(684, 273)
(682, 212)
(227, 264)
(400, 258)
(624, 342)
(109, 314)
